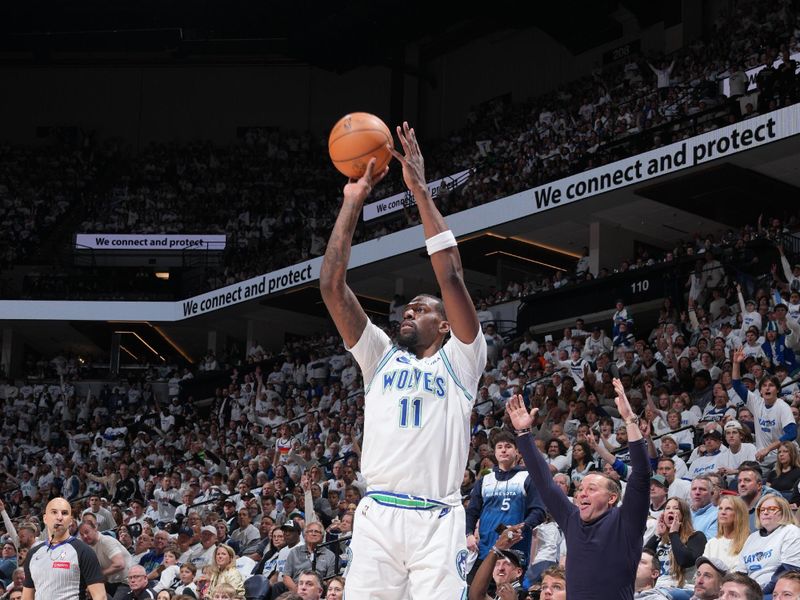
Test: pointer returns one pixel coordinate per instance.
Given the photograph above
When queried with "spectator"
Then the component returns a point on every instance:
(704, 513)
(518, 502)
(309, 556)
(138, 585)
(679, 488)
(8, 562)
(773, 414)
(114, 559)
(662, 74)
(708, 578)
(223, 570)
(737, 585)
(739, 451)
(503, 565)
(733, 529)
(309, 586)
(785, 476)
(676, 544)
(787, 586)
(597, 497)
(776, 532)
(335, 589)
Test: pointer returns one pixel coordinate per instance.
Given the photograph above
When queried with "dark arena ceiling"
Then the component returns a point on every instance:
(330, 35)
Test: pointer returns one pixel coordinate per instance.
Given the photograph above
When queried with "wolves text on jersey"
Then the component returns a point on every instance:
(413, 379)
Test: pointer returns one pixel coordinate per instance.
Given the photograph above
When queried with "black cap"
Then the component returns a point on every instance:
(713, 433)
(185, 531)
(515, 557)
(291, 525)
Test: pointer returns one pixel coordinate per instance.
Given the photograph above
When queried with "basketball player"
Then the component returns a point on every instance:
(408, 534)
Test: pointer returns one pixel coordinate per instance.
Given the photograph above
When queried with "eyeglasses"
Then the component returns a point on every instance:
(136, 576)
(769, 510)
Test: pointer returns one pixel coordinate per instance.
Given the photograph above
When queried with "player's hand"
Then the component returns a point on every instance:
(472, 543)
(357, 190)
(413, 163)
(519, 415)
(511, 535)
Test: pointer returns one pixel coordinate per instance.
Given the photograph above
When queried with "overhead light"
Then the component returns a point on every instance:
(530, 260)
(162, 274)
(546, 246)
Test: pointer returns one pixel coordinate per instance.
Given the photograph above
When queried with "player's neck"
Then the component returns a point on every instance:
(425, 351)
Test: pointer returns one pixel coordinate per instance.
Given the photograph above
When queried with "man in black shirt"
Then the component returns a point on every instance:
(594, 523)
(127, 487)
(137, 581)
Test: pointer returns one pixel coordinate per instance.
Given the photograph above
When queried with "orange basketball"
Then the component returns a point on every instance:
(355, 139)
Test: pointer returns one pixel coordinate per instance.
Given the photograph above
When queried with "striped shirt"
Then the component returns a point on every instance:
(62, 571)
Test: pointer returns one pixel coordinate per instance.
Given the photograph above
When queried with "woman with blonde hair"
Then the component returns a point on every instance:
(223, 571)
(775, 545)
(676, 544)
(733, 529)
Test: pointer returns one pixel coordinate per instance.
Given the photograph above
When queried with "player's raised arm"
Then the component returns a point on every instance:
(442, 248)
(341, 302)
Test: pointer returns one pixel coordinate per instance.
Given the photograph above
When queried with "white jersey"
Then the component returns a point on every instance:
(769, 423)
(710, 463)
(416, 416)
(762, 555)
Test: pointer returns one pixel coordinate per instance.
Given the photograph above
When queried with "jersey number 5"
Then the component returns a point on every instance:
(415, 406)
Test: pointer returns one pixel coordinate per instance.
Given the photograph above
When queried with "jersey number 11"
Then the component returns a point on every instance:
(415, 405)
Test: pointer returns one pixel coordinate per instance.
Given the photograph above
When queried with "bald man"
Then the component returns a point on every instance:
(62, 567)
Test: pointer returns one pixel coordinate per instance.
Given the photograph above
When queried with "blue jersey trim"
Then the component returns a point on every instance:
(449, 368)
(381, 364)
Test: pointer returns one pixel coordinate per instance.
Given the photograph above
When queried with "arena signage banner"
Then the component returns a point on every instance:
(701, 149)
(263, 285)
(392, 204)
(149, 241)
(751, 75)
(649, 165)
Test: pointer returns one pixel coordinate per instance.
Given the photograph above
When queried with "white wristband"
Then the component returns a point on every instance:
(440, 241)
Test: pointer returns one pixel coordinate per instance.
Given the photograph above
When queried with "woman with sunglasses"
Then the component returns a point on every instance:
(775, 545)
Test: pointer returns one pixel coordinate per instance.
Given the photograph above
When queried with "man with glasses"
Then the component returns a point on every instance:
(137, 581)
(309, 557)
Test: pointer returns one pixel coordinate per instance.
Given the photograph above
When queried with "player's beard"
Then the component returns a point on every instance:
(408, 340)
